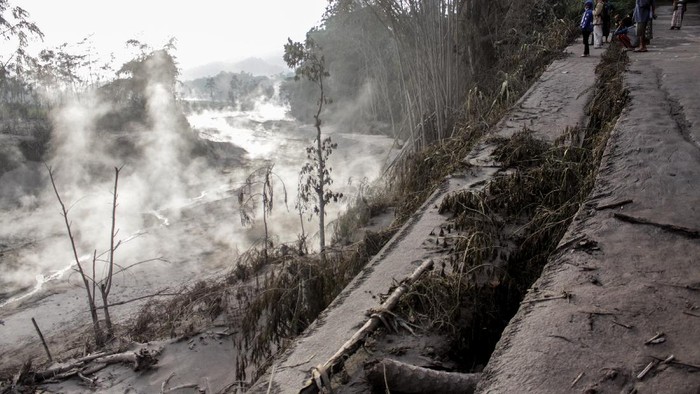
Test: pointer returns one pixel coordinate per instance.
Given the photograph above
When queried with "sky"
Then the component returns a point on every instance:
(206, 30)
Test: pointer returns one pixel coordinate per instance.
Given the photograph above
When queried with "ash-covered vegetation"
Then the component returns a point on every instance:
(434, 75)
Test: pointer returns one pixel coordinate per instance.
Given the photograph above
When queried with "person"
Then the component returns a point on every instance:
(624, 33)
(598, 24)
(587, 26)
(606, 20)
(679, 8)
(643, 14)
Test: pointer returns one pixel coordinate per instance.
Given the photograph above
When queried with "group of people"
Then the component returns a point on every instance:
(632, 31)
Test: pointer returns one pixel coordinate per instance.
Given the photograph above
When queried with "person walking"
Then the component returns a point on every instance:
(643, 14)
(587, 26)
(607, 12)
(679, 7)
(598, 24)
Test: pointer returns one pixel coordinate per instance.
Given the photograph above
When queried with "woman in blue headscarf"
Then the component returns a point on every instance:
(587, 26)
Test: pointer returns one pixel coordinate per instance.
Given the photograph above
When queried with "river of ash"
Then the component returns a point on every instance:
(193, 232)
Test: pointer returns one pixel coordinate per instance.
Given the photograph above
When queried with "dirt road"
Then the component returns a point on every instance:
(635, 298)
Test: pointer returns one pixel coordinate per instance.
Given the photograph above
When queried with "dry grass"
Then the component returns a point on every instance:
(508, 230)
(522, 57)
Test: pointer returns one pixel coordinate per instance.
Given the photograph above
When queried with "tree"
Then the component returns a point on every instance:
(210, 86)
(315, 175)
(259, 184)
(87, 279)
(15, 27)
(90, 281)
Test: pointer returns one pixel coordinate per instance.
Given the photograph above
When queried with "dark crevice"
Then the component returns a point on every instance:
(514, 226)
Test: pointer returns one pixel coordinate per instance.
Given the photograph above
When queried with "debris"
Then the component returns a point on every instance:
(587, 245)
(646, 370)
(622, 325)
(613, 205)
(321, 373)
(393, 375)
(655, 339)
(577, 379)
(43, 341)
(564, 295)
(688, 232)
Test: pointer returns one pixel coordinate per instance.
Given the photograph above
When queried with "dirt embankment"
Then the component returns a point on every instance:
(630, 323)
(619, 297)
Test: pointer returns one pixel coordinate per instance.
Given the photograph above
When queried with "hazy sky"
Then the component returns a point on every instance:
(206, 30)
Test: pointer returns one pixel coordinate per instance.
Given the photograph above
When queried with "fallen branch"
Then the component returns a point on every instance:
(182, 386)
(322, 372)
(672, 360)
(613, 205)
(646, 370)
(43, 341)
(627, 326)
(680, 286)
(577, 379)
(564, 295)
(688, 232)
(655, 338)
(394, 375)
(158, 294)
(140, 359)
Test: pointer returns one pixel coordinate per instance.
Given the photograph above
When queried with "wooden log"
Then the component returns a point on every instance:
(394, 375)
(139, 359)
(685, 231)
(43, 341)
(322, 372)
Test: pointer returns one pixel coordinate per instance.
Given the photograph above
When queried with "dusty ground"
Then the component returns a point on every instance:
(558, 98)
(644, 280)
(635, 286)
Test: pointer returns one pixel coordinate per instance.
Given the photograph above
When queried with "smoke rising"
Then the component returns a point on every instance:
(171, 203)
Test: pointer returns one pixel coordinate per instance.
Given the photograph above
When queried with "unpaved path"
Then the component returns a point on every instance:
(556, 101)
(645, 278)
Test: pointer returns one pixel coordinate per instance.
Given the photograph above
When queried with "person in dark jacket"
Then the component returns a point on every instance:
(587, 26)
(606, 19)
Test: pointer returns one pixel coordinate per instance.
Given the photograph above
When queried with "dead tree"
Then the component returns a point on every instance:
(90, 282)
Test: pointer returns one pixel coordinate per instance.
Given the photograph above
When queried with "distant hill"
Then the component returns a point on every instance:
(253, 65)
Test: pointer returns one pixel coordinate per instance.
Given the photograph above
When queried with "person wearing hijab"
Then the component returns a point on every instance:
(587, 26)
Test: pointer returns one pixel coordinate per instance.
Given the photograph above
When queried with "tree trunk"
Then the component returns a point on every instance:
(393, 375)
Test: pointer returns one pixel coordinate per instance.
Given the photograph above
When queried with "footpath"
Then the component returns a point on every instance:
(556, 101)
(632, 322)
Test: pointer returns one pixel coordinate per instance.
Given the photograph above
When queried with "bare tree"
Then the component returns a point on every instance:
(99, 337)
(315, 182)
(90, 281)
(259, 185)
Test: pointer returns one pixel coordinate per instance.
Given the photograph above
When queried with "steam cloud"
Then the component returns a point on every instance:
(179, 209)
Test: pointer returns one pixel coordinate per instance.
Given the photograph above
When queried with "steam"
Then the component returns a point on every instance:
(169, 204)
